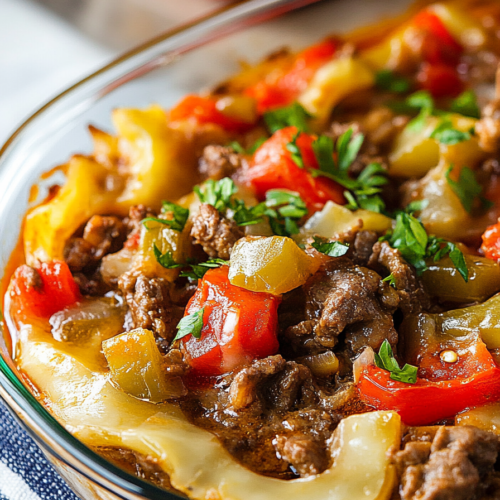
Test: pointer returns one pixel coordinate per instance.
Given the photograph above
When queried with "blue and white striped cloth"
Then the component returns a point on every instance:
(25, 474)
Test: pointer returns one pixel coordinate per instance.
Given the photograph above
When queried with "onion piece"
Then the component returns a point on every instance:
(116, 264)
(321, 365)
(367, 358)
(88, 321)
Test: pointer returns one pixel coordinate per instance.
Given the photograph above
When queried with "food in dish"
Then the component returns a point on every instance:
(287, 286)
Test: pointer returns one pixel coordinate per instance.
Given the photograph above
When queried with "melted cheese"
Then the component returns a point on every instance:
(81, 395)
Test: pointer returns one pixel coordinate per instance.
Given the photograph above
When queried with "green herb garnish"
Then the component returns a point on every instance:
(284, 209)
(330, 248)
(198, 270)
(190, 325)
(237, 147)
(467, 189)
(217, 193)
(166, 260)
(391, 280)
(416, 206)
(410, 238)
(363, 190)
(385, 359)
(446, 134)
(424, 103)
(466, 104)
(180, 216)
(251, 149)
(179, 213)
(392, 82)
(293, 115)
(295, 152)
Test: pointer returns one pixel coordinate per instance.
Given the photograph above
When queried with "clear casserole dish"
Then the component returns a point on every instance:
(163, 70)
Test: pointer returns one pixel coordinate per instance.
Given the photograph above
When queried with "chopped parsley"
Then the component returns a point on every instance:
(251, 149)
(283, 208)
(256, 145)
(330, 248)
(392, 82)
(180, 216)
(391, 280)
(447, 135)
(422, 102)
(363, 192)
(217, 193)
(416, 206)
(190, 325)
(467, 189)
(293, 115)
(385, 359)
(466, 104)
(197, 271)
(294, 150)
(166, 260)
(237, 147)
(411, 239)
(439, 247)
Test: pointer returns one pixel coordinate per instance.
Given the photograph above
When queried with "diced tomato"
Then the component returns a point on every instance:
(280, 91)
(238, 325)
(473, 380)
(204, 110)
(440, 80)
(438, 46)
(272, 167)
(55, 291)
(491, 242)
(440, 54)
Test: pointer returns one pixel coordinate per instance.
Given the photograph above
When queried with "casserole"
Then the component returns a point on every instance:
(184, 85)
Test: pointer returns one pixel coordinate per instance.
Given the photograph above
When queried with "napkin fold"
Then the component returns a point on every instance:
(25, 473)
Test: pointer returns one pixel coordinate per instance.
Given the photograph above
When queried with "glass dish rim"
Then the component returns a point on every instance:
(51, 436)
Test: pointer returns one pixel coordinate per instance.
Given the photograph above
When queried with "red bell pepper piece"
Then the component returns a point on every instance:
(440, 54)
(491, 242)
(440, 80)
(285, 89)
(442, 389)
(204, 110)
(238, 325)
(438, 46)
(57, 289)
(272, 167)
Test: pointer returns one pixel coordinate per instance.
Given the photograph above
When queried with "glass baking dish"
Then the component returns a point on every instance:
(185, 60)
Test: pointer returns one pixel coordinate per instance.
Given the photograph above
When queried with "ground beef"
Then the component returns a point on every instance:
(447, 463)
(218, 162)
(214, 232)
(137, 464)
(243, 389)
(343, 296)
(361, 248)
(173, 363)
(412, 297)
(150, 306)
(135, 215)
(105, 233)
(269, 416)
(488, 127)
(101, 235)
